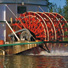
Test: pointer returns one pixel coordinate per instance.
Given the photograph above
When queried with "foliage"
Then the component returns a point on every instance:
(50, 7)
(66, 10)
(60, 10)
(53, 8)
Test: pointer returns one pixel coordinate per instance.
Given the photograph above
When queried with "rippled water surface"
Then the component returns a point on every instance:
(25, 61)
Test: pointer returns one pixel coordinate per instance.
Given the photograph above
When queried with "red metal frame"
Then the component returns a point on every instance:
(45, 26)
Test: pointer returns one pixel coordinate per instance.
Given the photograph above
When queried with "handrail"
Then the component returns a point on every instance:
(22, 43)
(41, 42)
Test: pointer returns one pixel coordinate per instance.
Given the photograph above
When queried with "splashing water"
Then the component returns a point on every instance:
(55, 50)
(54, 53)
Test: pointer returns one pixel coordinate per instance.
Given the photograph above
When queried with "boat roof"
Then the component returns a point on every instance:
(38, 2)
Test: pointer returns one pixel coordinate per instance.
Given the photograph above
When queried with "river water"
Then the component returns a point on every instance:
(37, 58)
(33, 61)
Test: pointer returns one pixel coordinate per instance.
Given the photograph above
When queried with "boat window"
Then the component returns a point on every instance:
(21, 9)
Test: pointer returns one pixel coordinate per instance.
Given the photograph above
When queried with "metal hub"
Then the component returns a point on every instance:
(25, 35)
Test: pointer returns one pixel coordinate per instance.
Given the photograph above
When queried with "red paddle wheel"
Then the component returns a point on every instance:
(43, 26)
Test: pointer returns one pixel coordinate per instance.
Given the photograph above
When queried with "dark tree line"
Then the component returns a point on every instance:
(63, 11)
(66, 10)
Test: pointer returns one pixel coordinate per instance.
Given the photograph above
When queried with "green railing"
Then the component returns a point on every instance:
(33, 43)
(22, 43)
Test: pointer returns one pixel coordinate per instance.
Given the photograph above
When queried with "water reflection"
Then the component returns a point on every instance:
(21, 61)
(1, 61)
(50, 62)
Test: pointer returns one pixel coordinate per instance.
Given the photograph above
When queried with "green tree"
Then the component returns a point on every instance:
(60, 10)
(66, 10)
(54, 8)
(50, 7)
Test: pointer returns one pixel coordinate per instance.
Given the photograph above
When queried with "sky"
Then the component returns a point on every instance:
(60, 3)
